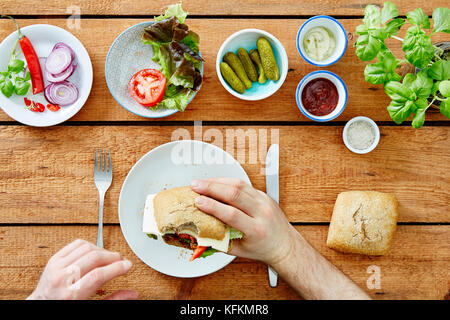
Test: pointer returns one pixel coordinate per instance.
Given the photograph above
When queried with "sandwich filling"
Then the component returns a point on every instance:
(185, 235)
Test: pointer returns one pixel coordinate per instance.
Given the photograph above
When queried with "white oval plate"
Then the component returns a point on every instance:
(163, 168)
(43, 37)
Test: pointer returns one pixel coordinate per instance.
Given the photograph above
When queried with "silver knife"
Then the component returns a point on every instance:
(272, 189)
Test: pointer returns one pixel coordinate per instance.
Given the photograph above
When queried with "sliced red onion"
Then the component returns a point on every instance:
(61, 76)
(58, 60)
(64, 45)
(62, 93)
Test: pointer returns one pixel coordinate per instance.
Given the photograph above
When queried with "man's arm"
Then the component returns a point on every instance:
(270, 238)
(313, 276)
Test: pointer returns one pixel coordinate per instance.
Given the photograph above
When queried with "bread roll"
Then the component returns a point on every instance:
(175, 210)
(363, 222)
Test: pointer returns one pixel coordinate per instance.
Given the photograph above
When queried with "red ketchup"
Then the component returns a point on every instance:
(320, 97)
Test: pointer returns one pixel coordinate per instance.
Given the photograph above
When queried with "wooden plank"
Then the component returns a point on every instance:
(415, 268)
(213, 102)
(47, 174)
(207, 7)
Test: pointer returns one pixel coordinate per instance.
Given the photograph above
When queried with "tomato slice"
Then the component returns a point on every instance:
(147, 87)
(197, 252)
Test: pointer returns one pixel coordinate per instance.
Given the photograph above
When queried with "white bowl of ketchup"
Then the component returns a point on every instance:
(321, 96)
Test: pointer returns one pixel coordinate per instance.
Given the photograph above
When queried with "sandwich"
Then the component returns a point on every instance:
(172, 215)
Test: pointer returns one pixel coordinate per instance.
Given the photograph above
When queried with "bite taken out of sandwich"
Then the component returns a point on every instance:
(172, 215)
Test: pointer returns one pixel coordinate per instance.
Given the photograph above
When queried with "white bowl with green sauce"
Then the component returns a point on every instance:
(322, 41)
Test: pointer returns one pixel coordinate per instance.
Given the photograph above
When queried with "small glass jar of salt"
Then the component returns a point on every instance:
(361, 135)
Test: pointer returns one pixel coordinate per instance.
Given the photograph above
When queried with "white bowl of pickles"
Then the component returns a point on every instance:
(322, 41)
(252, 64)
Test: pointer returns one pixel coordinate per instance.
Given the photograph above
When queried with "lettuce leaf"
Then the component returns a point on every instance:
(175, 98)
(175, 49)
(174, 10)
(235, 234)
(209, 251)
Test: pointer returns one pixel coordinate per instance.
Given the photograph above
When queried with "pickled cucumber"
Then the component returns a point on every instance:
(254, 55)
(268, 59)
(249, 67)
(231, 77)
(233, 61)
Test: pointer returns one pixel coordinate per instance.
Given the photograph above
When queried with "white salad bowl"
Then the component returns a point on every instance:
(247, 39)
(341, 89)
(335, 27)
(43, 37)
(127, 56)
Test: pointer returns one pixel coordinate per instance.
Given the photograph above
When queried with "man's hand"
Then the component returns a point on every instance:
(267, 232)
(78, 270)
(270, 238)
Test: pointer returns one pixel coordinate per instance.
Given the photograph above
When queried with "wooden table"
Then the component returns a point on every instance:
(48, 197)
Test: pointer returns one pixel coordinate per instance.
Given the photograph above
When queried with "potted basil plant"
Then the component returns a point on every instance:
(427, 83)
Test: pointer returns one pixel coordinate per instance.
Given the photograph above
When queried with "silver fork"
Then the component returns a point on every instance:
(102, 178)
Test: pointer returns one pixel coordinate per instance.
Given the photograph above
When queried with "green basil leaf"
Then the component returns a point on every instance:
(7, 88)
(419, 18)
(421, 53)
(375, 73)
(361, 29)
(367, 47)
(3, 77)
(372, 16)
(388, 60)
(27, 76)
(419, 116)
(445, 107)
(422, 85)
(399, 92)
(394, 26)
(21, 87)
(393, 76)
(383, 70)
(441, 20)
(444, 88)
(408, 80)
(400, 111)
(16, 65)
(440, 70)
(435, 87)
(388, 12)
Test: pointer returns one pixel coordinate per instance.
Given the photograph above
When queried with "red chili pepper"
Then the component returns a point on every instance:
(27, 101)
(33, 107)
(40, 106)
(37, 80)
(53, 107)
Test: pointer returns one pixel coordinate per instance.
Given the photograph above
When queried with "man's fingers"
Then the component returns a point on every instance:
(95, 259)
(69, 248)
(123, 295)
(77, 253)
(232, 194)
(96, 278)
(225, 213)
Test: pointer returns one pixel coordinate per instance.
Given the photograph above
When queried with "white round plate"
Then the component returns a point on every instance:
(126, 56)
(43, 37)
(171, 165)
